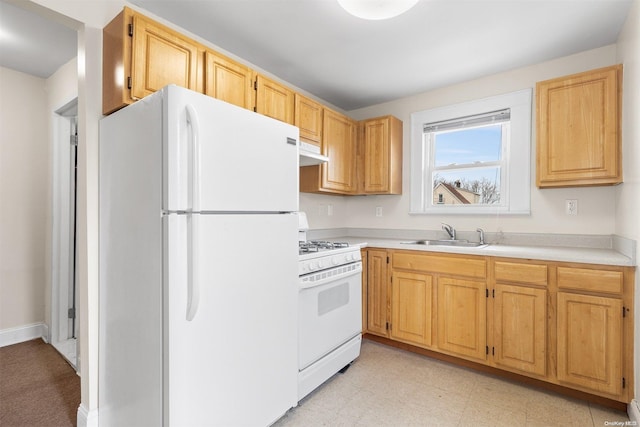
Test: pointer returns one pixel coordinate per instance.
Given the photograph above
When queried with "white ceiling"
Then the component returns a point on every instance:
(354, 63)
(31, 43)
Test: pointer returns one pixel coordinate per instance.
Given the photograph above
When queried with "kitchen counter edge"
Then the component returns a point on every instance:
(542, 253)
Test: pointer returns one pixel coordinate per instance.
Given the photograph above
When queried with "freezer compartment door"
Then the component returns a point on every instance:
(220, 157)
(231, 330)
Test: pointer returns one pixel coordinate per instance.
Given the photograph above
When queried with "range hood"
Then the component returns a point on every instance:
(310, 155)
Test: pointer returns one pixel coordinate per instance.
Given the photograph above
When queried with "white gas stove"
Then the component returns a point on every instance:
(321, 255)
(330, 309)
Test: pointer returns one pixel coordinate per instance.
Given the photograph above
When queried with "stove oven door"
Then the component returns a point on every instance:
(330, 311)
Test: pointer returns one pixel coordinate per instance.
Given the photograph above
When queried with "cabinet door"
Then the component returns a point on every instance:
(339, 144)
(382, 155)
(520, 337)
(377, 293)
(160, 57)
(462, 317)
(308, 117)
(274, 100)
(228, 80)
(578, 121)
(590, 342)
(411, 307)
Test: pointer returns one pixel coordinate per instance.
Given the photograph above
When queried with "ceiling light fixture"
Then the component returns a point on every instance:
(376, 9)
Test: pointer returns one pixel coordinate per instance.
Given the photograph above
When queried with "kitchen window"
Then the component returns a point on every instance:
(473, 158)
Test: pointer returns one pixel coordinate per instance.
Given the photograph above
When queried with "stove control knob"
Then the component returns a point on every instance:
(320, 264)
(313, 265)
(335, 260)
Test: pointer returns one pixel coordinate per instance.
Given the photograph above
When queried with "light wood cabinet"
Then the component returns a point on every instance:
(381, 155)
(578, 129)
(462, 317)
(274, 99)
(590, 341)
(520, 328)
(141, 56)
(411, 308)
(566, 324)
(519, 314)
(377, 292)
(308, 117)
(229, 80)
(595, 325)
(338, 175)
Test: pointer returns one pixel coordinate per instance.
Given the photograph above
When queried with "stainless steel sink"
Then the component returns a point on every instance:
(459, 243)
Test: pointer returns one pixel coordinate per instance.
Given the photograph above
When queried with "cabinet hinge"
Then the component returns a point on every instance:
(487, 349)
(255, 109)
(493, 351)
(130, 30)
(493, 293)
(255, 84)
(624, 311)
(624, 383)
(128, 82)
(71, 313)
(487, 294)
(386, 326)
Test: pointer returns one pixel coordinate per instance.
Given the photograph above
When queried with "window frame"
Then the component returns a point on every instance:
(516, 199)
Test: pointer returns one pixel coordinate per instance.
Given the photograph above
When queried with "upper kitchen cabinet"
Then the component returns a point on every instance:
(578, 129)
(274, 99)
(228, 80)
(338, 175)
(381, 155)
(141, 56)
(308, 117)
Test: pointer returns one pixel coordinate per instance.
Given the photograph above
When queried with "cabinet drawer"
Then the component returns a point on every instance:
(590, 280)
(534, 274)
(440, 264)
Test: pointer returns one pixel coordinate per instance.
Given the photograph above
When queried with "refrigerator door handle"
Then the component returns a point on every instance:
(193, 265)
(194, 159)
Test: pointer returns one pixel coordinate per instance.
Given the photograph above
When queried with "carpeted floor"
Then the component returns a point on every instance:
(37, 386)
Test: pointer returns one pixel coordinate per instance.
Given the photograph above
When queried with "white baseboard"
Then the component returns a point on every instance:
(633, 412)
(23, 333)
(87, 418)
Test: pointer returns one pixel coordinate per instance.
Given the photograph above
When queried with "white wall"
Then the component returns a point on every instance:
(24, 183)
(596, 205)
(628, 194)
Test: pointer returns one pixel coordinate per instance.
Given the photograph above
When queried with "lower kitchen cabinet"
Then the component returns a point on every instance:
(411, 308)
(377, 291)
(462, 317)
(590, 342)
(520, 328)
(567, 324)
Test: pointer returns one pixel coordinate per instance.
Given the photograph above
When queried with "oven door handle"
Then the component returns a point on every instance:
(306, 284)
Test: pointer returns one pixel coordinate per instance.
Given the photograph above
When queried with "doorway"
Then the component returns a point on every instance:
(64, 292)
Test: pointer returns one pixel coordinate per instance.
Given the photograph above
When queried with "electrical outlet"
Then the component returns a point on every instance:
(329, 210)
(378, 210)
(571, 207)
(322, 210)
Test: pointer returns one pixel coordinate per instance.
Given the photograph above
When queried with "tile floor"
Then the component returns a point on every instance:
(391, 387)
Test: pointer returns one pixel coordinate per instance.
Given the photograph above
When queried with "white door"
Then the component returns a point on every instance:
(220, 157)
(231, 335)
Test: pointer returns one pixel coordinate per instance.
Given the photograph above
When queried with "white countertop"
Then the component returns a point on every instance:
(545, 253)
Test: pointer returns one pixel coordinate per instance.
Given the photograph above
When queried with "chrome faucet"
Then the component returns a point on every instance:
(450, 230)
(481, 231)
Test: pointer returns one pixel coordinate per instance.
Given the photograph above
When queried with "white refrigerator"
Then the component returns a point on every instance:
(198, 264)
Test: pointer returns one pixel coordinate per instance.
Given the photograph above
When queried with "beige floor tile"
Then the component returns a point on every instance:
(480, 413)
(391, 387)
(606, 416)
